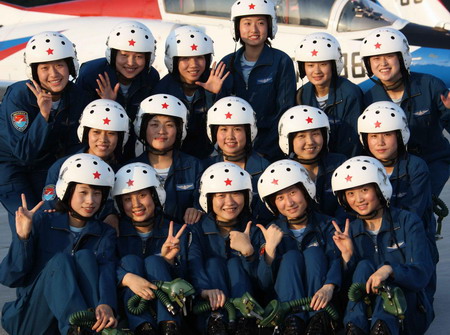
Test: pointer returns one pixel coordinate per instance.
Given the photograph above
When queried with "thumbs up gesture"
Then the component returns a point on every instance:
(241, 241)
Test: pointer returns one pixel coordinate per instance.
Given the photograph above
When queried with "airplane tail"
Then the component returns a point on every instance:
(13, 15)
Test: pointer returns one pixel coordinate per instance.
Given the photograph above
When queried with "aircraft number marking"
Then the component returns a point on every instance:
(407, 2)
(357, 67)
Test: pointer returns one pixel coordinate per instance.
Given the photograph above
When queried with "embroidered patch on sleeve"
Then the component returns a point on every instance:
(49, 193)
(20, 120)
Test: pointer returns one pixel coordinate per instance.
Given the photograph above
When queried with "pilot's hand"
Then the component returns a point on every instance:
(44, 99)
(216, 78)
(104, 90)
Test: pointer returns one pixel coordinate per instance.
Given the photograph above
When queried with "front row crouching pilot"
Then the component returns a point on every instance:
(63, 262)
(150, 248)
(384, 245)
(299, 248)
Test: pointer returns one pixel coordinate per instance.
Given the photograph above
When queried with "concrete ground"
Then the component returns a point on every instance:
(441, 324)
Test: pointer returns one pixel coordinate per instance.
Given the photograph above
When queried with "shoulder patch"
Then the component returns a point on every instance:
(20, 120)
(49, 193)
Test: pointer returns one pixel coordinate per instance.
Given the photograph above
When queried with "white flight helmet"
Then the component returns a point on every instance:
(224, 177)
(84, 169)
(50, 46)
(135, 177)
(381, 117)
(231, 111)
(359, 171)
(300, 118)
(283, 174)
(385, 41)
(319, 47)
(161, 104)
(242, 8)
(104, 114)
(187, 41)
(131, 36)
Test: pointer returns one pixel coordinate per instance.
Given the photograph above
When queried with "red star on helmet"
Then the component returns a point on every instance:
(309, 119)
(228, 182)
(377, 124)
(275, 181)
(348, 178)
(97, 175)
(194, 47)
(251, 6)
(130, 182)
(377, 46)
(228, 115)
(49, 51)
(164, 106)
(131, 42)
(314, 52)
(106, 121)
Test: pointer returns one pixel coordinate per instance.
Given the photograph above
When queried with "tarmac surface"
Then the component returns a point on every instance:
(440, 325)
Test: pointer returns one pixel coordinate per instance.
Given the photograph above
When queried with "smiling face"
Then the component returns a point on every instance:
(85, 201)
(319, 73)
(363, 199)
(253, 30)
(231, 139)
(308, 144)
(383, 146)
(139, 205)
(386, 68)
(129, 64)
(191, 68)
(228, 205)
(53, 76)
(161, 132)
(102, 143)
(291, 202)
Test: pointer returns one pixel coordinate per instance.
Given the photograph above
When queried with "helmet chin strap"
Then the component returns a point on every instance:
(300, 220)
(307, 161)
(369, 216)
(235, 158)
(394, 86)
(154, 151)
(226, 224)
(78, 216)
(146, 223)
(390, 162)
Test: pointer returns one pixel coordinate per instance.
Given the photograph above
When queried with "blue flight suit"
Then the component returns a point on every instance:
(49, 190)
(181, 185)
(299, 270)
(143, 258)
(402, 244)
(141, 87)
(196, 143)
(57, 273)
(255, 166)
(270, 91)
(344, 105)
(29, 144)
(427, 118)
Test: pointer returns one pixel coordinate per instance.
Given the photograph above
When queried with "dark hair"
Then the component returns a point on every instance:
(343, 200)
(146, 118)
(69, 62)
(248, 137)
(247, 206)
(237, 22)
(401, 148)
(153, 194)
(63, 205)
(114, 53)
(118, 150)
(204, 76)
(323, 131)
(271, 198)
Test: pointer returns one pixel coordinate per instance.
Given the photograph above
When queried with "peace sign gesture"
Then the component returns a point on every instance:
(343, 240)
(171, 246)
(44, 99)
(216, 78)
(24, 218)
(241, 241)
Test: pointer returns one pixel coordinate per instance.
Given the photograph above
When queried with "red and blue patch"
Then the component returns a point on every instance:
(49, 193)
(20, 120)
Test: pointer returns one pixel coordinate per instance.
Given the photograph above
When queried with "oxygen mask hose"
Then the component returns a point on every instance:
(87, 319)
(441, 210)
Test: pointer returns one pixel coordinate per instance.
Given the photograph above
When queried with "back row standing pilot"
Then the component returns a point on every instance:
(39, 118)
